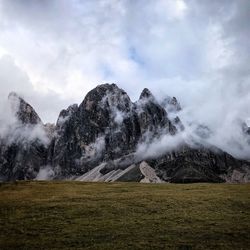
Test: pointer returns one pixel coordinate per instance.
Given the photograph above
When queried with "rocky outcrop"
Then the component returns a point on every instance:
(105, 127)
(98, 141)
(23, 111)
(23, 147)
(189, 165)
(171, 104)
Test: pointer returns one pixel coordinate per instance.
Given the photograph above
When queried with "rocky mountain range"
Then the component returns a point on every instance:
(110, 138)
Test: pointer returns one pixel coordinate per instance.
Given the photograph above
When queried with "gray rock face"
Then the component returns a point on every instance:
(106, 126)
(22, 149)
(24, 112)
(171, 104)
(196, 165)
(21, 161)
(246, 130)
(98, 141)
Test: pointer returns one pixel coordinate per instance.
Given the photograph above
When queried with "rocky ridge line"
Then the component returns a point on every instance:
(98, 141)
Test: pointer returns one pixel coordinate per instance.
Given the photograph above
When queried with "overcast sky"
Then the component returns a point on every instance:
(54, 51)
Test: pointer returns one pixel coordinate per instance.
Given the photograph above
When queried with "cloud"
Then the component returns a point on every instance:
(48, 104)
(45, 173)
(194, 50)
(93, 151)
(85, 43)
(96, 148)
(12, 130)
(74, 45)
(154, 147)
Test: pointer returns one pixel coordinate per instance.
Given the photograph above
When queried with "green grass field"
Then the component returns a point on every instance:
(75, 215)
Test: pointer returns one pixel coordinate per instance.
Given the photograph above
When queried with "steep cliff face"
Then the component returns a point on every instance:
(197, 165)
(23, 111)
(99, 140)
(23, 145)
(106, 126)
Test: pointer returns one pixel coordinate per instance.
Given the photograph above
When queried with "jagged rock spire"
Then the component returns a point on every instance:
(171, 104)
(146, 93)
(66, 113)
(23, 110)
(106, 95)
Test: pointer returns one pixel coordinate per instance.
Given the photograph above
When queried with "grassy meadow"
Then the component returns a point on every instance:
(77, 215)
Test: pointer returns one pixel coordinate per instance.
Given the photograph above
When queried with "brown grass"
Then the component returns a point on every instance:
(76, 215)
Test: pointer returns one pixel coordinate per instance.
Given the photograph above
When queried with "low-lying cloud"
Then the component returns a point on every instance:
(45, 173)
(12, 130)
(205, 125)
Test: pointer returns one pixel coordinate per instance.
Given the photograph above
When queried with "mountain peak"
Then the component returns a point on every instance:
(146, 93)
(111, 87)
(106, 95)
(23, 110)
(13, 95)
(171, 104)
(109, 138)
(65, 114)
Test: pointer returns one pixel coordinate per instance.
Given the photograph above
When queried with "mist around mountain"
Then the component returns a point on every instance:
(110, 138)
